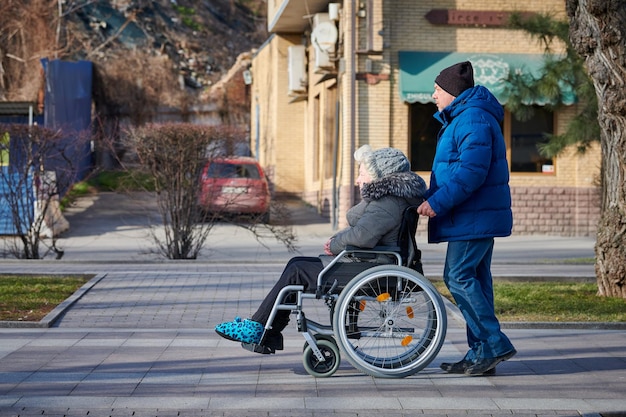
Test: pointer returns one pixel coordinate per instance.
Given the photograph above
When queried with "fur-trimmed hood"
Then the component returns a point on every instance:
(407, 185)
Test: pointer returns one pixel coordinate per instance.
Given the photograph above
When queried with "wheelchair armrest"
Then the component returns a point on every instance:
(351, 248)
(371, 252)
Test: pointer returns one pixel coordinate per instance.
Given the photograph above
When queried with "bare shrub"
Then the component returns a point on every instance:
(173, 155)
(36, 163)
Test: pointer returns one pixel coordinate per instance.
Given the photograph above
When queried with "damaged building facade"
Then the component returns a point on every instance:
(333, 76)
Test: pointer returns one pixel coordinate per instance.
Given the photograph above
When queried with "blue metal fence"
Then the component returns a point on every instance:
(16, 199)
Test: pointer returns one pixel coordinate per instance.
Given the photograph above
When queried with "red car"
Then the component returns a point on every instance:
(234, 185)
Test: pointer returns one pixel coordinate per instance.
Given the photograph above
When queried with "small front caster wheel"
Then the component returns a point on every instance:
(322, 369)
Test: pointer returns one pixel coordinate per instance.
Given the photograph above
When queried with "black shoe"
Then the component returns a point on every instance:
(461, 366)
(483, 366)
(269, 345)
(253, 347)
(273, 340)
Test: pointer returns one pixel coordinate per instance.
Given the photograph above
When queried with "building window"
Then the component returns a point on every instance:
(522, 139)
(525, 138)
(423, 130)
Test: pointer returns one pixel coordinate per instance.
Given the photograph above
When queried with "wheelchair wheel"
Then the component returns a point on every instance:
(317, 368)
(390, 321)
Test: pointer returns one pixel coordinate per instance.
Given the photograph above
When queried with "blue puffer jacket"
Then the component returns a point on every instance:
(469, 184)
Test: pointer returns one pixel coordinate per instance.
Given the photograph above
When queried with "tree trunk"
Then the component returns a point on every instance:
(598, 32)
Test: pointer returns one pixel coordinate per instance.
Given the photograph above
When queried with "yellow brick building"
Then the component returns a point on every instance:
(336, 75)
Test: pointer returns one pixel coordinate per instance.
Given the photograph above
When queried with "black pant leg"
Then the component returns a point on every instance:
(300, 270)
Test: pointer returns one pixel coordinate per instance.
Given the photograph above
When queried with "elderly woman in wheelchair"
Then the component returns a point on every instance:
(386, 317)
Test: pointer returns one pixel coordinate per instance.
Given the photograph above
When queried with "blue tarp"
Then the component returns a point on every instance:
(68, 107)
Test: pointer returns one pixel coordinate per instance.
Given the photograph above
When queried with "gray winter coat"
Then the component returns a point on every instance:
(376, 220)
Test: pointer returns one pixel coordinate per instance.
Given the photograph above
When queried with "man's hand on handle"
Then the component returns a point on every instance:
(426, 210)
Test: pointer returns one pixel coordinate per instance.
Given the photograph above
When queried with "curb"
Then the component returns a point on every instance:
(533, 278)
(58, 311)
(577, 325)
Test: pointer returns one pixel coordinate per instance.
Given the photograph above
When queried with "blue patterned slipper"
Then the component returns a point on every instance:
(246, 331)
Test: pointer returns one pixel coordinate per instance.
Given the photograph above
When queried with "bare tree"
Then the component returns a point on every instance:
(173, 155)
(598, 32)
(31, 185)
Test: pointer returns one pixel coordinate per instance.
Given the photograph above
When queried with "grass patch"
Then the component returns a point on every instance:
(122, 180)
(118, 181)
(30, 297)
(571, 261)
(551, 302)
(78, 190)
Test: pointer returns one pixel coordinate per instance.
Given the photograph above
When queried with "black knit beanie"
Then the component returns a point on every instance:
(457, 78)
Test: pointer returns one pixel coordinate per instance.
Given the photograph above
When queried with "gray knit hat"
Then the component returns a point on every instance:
(456, 78)
(382, 162)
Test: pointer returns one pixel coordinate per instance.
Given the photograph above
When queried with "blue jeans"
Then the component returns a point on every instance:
(467, 273)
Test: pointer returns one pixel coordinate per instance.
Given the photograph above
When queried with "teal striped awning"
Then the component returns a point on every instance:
(419, 69)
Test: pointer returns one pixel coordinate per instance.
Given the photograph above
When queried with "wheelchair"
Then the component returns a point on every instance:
(386, 318)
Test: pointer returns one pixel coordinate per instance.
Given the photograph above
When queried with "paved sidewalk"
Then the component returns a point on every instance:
(140, 342)
(143, 344)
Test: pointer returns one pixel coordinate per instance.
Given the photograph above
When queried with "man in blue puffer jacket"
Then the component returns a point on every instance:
(468, 205)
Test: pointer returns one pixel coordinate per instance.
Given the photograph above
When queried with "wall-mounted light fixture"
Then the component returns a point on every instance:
(247, 77)
(362, 12)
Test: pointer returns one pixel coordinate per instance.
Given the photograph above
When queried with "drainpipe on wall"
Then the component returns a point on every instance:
(352, 97)
(335, 207)
(257, 139)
